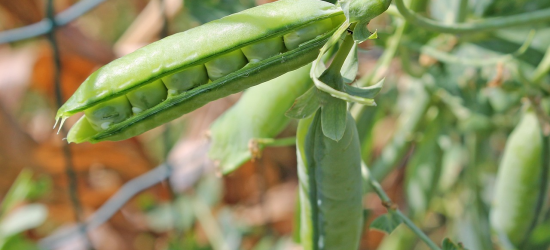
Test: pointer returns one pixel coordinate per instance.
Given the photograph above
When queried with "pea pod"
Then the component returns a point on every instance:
(518, 183)
(330, 186)
(258, 114)
(213, 45)
(423, 169)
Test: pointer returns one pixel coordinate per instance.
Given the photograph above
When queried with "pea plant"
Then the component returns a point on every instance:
(472, 125)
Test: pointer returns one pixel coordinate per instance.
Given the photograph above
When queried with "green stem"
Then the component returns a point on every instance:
(462, 11)
(393, 209)
(417, 230)
(450, 58)
(272, 142)
(488, 24)
(408, 124)
(453, 103)
(208, 222)
(316, 66)
(415, 71)
(342, 54)
(384, 61)
(543, 68)
(475, 201)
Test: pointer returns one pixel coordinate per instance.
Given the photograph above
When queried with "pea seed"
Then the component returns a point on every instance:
(297, 37)
(185, 80)
(102, 115)
(147, 96)
(264, 49)
(225, 64)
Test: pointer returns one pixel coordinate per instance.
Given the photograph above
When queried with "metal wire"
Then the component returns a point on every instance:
(46, 25)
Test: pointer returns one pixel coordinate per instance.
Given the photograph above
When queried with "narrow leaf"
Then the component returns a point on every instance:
(361, 33)
(386, 223)
(319, 67)
(305, 105)
(449, 245)
(333, 118)
(366, 92)
(351, 66)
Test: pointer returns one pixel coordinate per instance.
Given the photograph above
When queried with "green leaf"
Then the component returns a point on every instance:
(449, 245)
(167, 216)
(351, 66)
(361, 33)
(22, 219)
(366, 92)
(18, 242)
(18, 192)
(362, 11)
(258, 114)
(333, 118)
(305, 105)
(386, 223)
(321, 83)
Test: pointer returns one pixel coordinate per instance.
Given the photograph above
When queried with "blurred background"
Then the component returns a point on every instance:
(447, 107)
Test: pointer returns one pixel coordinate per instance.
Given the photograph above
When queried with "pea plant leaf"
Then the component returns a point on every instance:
(449, 245)
(258, 114)
(366, 92)
(333, 119)
(305, 105)
(351, 66)
(321, 85)
(386, 223)
(361, 12)
(333, 110)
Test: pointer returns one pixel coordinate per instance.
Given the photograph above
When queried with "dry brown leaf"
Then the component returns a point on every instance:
(25, 11)
(75, 70)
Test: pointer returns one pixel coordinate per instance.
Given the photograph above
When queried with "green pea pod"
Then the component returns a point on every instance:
(258, 114)
(330, 186)
(306, 223)
(423, 170)
(518, 183)
(212, 44)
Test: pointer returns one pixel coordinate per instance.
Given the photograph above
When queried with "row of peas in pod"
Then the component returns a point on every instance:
(118, 109)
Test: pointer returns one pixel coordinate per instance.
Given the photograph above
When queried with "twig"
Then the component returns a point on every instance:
(488, 24)
(256, 145)
(478, 62)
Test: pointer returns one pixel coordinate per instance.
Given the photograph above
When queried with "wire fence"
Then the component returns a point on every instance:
(49, 24)
(48, 27)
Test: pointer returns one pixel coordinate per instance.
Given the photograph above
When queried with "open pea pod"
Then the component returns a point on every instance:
(182, 72)
(258, 114)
